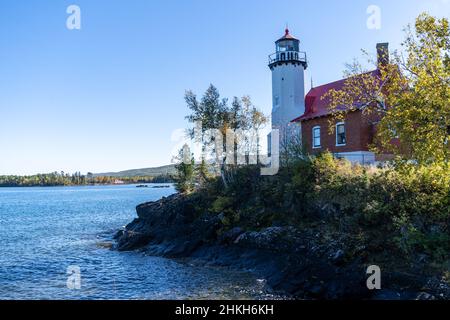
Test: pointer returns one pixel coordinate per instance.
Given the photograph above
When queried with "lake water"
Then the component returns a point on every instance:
(46, 230)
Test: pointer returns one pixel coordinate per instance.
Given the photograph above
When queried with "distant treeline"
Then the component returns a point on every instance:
(76, 179)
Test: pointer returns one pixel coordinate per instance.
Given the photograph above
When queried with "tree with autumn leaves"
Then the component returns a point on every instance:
(410, 94)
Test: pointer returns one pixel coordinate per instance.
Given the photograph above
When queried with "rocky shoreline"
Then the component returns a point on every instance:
(293, 263)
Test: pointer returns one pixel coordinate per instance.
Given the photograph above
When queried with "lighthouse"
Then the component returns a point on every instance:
(288, 65)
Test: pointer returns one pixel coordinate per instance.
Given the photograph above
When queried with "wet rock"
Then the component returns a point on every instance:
(118, 234)
(299, 264)
(171, 222)
(131, 240)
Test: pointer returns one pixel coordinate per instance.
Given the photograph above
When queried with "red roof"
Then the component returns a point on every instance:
(315, 106)
(287, 36)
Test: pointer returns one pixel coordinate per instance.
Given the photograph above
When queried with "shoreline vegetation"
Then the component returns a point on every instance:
(315, 229)
(312, 230)
(56, 179)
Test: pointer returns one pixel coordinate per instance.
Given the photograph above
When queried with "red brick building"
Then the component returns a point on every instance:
(350, 138)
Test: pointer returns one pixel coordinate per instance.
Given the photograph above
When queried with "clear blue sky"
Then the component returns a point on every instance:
(108, 96)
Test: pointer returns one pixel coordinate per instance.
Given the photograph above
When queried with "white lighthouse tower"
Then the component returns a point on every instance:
(288, 66)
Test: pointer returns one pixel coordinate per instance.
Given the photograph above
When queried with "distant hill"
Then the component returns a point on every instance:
(153, 172)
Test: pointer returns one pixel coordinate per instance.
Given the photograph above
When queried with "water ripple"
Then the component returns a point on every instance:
(45, 230)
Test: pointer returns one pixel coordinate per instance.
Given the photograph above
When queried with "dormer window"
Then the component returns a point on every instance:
(341, 139)
(316, 137)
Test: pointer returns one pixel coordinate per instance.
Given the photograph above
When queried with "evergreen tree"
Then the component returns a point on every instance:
(184, 180)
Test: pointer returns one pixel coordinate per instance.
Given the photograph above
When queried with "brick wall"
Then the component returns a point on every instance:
(359, 134)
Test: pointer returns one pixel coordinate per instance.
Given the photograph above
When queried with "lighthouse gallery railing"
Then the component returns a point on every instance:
(287, 56)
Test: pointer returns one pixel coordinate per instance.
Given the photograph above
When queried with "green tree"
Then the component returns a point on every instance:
(184, 180)
(216, 116)
(203, 173)
(411, 94)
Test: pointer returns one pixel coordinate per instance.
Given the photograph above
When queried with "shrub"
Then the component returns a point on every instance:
(404, 208)
(222, 204)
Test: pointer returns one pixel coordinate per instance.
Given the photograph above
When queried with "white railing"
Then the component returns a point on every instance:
(287, 56)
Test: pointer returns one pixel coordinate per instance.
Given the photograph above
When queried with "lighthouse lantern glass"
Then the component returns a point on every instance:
(287, 45)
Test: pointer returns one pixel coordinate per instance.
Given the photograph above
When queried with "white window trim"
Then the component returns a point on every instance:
(314, 140)
(343, 144)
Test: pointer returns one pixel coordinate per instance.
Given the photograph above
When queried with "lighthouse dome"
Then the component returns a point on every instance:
(287, 36)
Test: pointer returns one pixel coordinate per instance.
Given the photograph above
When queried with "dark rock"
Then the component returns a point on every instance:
(231, 235)
(118, 234)
(338, 257)
(291, 262)
(316, 290)
(422, 258)
(130, 240)
(170, 222)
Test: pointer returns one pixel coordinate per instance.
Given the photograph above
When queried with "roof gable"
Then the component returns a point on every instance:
(317, 106)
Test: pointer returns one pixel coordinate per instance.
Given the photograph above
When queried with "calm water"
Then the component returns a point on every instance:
(46, 230)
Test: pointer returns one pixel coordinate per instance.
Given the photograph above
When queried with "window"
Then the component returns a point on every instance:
(316, 137)
(340, 134)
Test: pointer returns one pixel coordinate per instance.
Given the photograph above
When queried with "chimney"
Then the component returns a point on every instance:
(382, 54)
